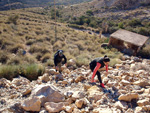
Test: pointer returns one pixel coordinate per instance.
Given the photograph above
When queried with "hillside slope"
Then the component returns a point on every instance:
(17, 4)
(34, 32)
(121, 4)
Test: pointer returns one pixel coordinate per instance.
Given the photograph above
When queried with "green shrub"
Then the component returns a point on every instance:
(120, 25)
(144, 31)
(31, 72)
(134, 22)
(9, 71)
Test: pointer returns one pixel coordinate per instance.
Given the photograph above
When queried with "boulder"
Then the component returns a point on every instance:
(128, 97)
(47, 93)
(95, 93)
(31, 104)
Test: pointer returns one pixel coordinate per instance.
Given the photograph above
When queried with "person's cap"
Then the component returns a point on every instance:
(60, 52)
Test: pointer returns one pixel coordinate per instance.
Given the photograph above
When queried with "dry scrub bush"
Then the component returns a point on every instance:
(15, 48)
(58, 45)
(83, 59)
(3, 57)
(14, 61)
(39, 32)
(36, 49)
(50, 62)
(30, 42)
(45, 57)
(13, 19)
(145, 52)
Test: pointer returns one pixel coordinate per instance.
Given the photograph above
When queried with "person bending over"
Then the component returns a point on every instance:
(59, 59)
(99, 63)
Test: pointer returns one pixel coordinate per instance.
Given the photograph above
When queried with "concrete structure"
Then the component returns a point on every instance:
(127, 42)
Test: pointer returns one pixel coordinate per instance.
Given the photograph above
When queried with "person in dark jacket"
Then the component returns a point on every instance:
(59, 59)
(99, 63)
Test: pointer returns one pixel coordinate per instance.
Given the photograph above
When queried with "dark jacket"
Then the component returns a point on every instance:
(58, 59)
(98, 60)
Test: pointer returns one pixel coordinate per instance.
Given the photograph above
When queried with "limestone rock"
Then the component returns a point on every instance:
(20, 81)
(79, 79)
(52, 72)
(143, 102)
(142, 83)
(71, 62)
(102, 110)
(68, 109)
(78, 95)
(79, 103)
(95, 93)
(54, 107)
(26, 92)
(59, 77)
(125, 82)
(138, 110)
(121, 105)
(118, 66)
(31, 104)
(128, 97)
(45, 78)
(47, 93)
(5, 83)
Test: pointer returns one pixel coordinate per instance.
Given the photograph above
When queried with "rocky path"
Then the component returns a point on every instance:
(127, 90)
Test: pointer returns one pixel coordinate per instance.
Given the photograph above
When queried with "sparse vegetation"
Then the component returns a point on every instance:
(35, 32)
(29, 71)
(13, 19)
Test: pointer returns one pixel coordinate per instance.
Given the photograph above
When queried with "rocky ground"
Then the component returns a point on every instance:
(127, 90)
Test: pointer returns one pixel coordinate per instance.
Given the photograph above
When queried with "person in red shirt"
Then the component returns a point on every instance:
(99, 63)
